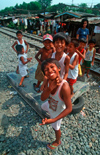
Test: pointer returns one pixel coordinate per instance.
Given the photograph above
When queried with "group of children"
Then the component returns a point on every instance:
(58, 71)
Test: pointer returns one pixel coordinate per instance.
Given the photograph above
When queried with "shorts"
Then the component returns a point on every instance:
(71, 81)
(56, 125)
(79, 70)
(39, 74)
(86, 64)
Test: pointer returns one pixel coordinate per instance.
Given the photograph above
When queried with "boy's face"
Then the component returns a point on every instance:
(51, 71)
(60, 45)
(47, 44)
(71, 48)
(91, 45)
(22, 52)
(19, 36)
(82, 45)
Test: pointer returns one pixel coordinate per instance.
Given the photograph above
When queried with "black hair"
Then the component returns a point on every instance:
(75, 42)
(92, 41)
(83, 40)
(84, 20)
(18, 32)
(50, 60)
(19, 48)
(61, 36)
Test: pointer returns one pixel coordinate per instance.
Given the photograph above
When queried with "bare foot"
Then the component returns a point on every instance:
(88, 76)
(72, 95)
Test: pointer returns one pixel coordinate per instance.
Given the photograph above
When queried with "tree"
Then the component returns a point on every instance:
(44, 4)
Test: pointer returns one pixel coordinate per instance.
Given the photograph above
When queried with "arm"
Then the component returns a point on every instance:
(13, 46)
(93, 57)
(26, 45)
(74, 62)
(67, 61)
(66, 96)
(77, 36)
(82, 55)
(37, 55)
(24, 62)
(87, 38)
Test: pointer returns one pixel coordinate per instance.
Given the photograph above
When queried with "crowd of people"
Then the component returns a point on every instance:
(59, 65)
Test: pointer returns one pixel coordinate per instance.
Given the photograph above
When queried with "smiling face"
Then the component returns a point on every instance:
(47, 44)
(82, 45)
(51, 71)
(71, 48)
(60, 45)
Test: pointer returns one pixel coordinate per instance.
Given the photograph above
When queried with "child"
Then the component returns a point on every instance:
(23, 60)
(89, 57)
(44, 53)
(59, 98)
(22, 42)
(73, 66)
(59, 41)
(81, 52)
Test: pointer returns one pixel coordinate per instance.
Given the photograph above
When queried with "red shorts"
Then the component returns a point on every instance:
(71, 81)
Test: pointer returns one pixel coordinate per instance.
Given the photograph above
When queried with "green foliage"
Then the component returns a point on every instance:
(44, 3)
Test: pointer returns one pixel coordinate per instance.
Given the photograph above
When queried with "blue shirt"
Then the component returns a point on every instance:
(83, 33)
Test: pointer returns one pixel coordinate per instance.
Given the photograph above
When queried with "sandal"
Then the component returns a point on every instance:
(52, 147)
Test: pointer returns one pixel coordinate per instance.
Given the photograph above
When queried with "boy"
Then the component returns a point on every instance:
(81, 52)
(44, 53)
(73, 66)
(59, 102)
(60, 42)
(22, 42)
(89, 57)
(23, 60)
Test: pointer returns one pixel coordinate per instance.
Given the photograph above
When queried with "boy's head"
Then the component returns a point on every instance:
(82, 43)
(60, 41)
(73, 45)
(47, 40)
(19, 49)
(51, 68)
(92, 43)
(19, 35)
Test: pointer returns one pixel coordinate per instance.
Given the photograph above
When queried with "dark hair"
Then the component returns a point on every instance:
(83, 40)
(75, 42)
(92, 41)
(60, 36)
(18, 32)
(19, 48)
(50, 60)
(84, 20)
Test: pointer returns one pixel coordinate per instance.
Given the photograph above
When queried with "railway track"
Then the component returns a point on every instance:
(36, 41)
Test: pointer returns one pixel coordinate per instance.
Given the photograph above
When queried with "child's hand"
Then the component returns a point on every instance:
(47, 121)
(42, 87)
(54, 83)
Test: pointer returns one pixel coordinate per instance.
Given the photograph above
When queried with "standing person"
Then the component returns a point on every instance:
(44, 53)
(81, 52)
(22, 42)
(60, 42)
(73, 66)
(23, 60)
(89, 57)
(83, 31)
(59, 98)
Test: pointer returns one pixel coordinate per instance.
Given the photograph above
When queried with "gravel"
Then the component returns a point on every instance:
(20, 132)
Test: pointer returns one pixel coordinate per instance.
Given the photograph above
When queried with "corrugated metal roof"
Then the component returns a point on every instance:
(75, 14)
(91, 20)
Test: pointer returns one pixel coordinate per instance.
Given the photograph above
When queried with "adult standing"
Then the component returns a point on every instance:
(83, 31)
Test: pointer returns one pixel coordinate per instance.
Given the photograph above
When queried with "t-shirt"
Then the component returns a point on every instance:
(83, 33)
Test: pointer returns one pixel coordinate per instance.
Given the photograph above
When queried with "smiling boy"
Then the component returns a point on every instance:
(59, 98)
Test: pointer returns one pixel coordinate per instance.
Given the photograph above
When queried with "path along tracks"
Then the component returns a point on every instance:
(36, 41)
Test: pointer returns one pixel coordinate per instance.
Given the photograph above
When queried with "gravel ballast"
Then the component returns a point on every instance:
(20, 132)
